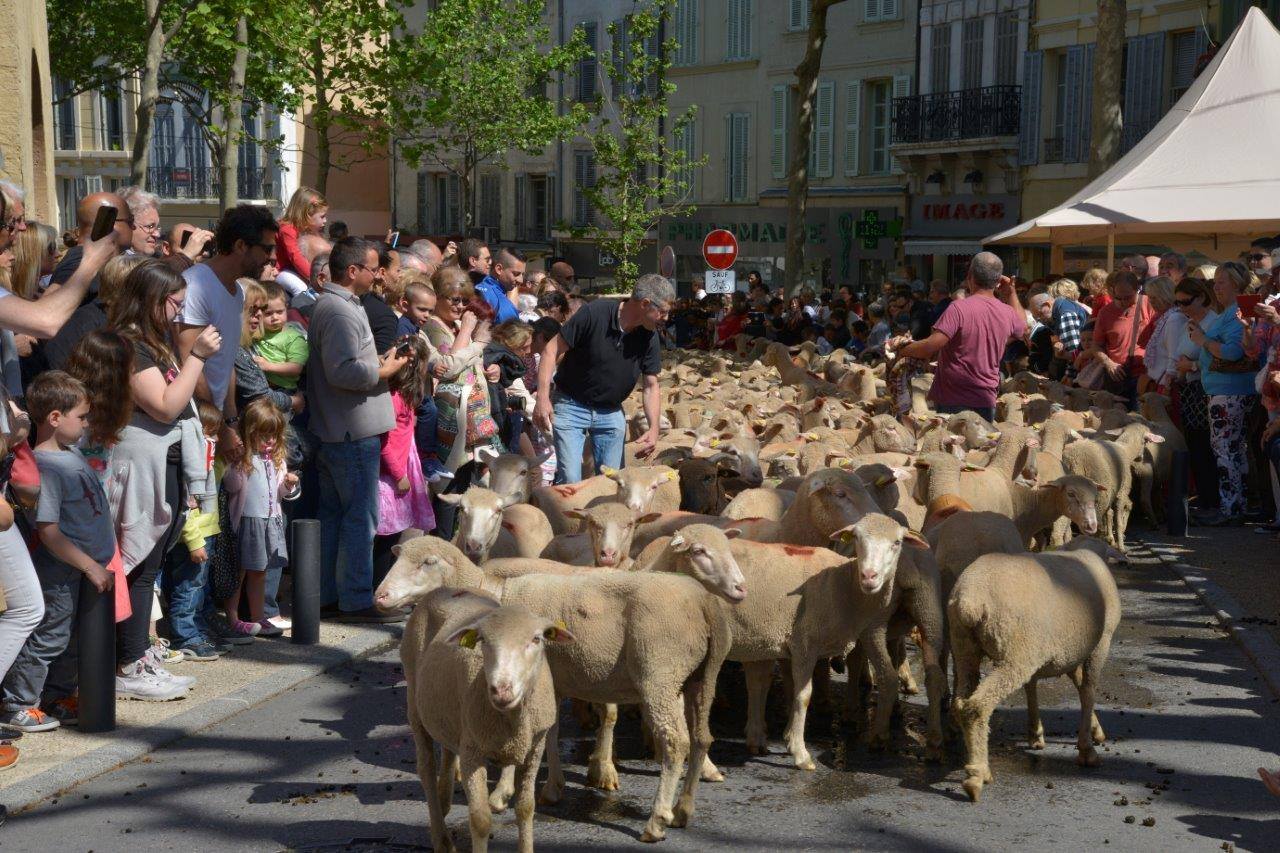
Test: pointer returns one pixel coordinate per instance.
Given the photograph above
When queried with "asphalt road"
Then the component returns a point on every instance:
(329, 765)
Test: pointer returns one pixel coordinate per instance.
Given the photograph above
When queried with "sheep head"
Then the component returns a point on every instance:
(833, 499)
(479, 520)
(1079, 501)
(611, 527)
(877, 540)
(702, 486)
(512, 476)
(422, 565)
(638, 485)
(513, 642)
(703, 552)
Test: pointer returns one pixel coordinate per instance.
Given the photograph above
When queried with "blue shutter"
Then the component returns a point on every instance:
(1143, 87)
(587, 65)
(1073, 68)
(1086, 105)
(1032, 74)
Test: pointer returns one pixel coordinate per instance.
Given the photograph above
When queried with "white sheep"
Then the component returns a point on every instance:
(1034, 616)
(490, 525)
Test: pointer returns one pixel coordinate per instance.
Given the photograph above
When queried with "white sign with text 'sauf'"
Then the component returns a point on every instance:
(720, 281)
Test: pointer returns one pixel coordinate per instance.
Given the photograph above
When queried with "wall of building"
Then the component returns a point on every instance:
(26, 127)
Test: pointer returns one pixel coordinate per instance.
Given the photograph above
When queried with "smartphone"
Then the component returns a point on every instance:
(1246, 302)
(186, 238)
(395, 239)
(404, 348)
(103, 222)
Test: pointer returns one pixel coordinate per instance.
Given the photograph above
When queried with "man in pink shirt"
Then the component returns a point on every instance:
(969, 339)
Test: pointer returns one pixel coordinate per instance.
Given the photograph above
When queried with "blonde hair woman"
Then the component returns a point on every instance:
(306, 213)
(1166, 332)
(251, 382)
(35, 253)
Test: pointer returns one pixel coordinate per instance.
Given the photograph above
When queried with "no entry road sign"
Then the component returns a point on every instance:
(720, 249)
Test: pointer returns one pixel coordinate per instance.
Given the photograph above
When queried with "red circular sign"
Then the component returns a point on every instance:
(720, 249)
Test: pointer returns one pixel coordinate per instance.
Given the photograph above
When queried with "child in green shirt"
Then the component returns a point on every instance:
(282, 352)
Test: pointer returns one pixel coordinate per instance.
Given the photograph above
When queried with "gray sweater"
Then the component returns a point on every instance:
(346, 398)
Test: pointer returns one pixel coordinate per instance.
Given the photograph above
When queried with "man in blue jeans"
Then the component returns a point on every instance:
(596, 361)
(350, 411)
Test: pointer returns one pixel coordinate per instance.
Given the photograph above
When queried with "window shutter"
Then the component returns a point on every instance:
(587, 66)
(799, 15)
(901, 89)
(1143, 87)
(870, 11)
(1032, 73)
(778, 150)
(687, 32)
(739, 129)
(455, 204)
(424, 207)
(520, 219)
(1086, 104)
(820, 153)
(971, 48)
(890, 10)
(852, 129)
(619, 54)
(732, 46)
(1073, 69)
(553, 200)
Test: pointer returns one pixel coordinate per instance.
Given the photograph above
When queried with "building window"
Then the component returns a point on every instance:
(798, 15)
(64, 117)
(584, 175)
(1186, 50)
(971, 54)
(881, 10)
(490, 201)
(685, 142)
(424, 203)
(738, 30)
(1053, 145)
(447, 198)
(739, 138)
(940, 55)
(539, 207)
(588, 66)
(879, 100)
(686, 15)
(1007, 49)
(112, 118)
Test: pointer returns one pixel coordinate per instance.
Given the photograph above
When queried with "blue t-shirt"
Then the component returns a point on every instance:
(497, 299)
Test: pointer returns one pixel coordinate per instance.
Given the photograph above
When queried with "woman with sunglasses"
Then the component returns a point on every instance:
(1193, 299)
(459, 327)
(1229, 384)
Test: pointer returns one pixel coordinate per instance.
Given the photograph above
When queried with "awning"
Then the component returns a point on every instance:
(941, 247)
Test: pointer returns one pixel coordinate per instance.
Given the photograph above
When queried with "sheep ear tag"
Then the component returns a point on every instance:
(715, 442)
(469, 638)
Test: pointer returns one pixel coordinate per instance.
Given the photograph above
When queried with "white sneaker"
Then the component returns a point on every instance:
(137, 683)
(284, 623)
(151, 663)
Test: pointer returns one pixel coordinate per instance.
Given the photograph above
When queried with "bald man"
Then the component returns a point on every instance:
(195, 244)
(429, 253)
(563, 274)
(86, 213)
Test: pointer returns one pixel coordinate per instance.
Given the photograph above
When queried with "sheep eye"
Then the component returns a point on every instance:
(699, 551)
(839, 494)
(537, 638)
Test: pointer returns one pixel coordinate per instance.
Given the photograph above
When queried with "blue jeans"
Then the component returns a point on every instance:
(348, 518)
(424, 431)
(186, 586)
(573, 422)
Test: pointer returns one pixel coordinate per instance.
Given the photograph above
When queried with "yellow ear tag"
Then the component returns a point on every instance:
(560, 624)
(715, 442)
(469, 639)
(846, 537)
(884, 481)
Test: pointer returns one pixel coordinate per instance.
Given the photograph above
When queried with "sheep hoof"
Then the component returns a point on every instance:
(602, 776)
(550, 795)
(1036, 742)
(1088, 758)
(710, 773)
(878, 741)
(933, 753)
(973, 787)
(497, 802)
(653, 832)
(805, 762)
(1099, 736)
(909, 687)
(757, 749)
(683, 812)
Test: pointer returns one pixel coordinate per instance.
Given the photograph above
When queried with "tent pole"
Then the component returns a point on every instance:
(1111, 251)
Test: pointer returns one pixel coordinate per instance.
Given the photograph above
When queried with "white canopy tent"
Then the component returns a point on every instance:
(1206, 177)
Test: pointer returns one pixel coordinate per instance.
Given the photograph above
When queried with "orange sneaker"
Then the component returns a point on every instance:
(8, 755)
(65, 710)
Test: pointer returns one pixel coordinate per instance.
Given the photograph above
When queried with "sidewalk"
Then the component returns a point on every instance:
(249, 675)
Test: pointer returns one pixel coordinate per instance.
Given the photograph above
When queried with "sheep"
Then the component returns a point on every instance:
(605, 541)
(490, 525)
(707, 487)
(760, 503)
(641, 638)
(511, 475)
(1158, 457)
(641, 488)
(805, 603)
(1035, 616)
(1108, 463)
(502, 703)
(739, 451)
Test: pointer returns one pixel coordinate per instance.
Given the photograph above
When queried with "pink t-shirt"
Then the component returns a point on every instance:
(978, 328)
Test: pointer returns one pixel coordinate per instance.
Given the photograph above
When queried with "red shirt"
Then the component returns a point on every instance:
(288, 255)
(1114, 332)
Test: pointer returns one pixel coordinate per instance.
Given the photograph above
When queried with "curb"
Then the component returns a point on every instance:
(1257, 644)
(141, 741)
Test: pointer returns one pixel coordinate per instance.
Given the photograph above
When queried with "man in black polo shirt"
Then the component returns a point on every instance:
(604, 348)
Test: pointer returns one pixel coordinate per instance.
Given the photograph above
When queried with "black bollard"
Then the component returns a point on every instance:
(1176, 508)
(96, 649)
(305, 564)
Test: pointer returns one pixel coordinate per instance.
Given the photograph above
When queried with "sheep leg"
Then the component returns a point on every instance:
(886, 681)
(935, 685)
(699, 761)
(526, 779)
(428, 772)
(1124, 506)
(1095, 728)
(802, 679)
(906, 680)
(601, 772)
(504, 790)
(476, 781)
(975, 713)
(1035, 728)
(666, 720)
(856, 675)
(553, 788)
(449, 773)
(759, 675)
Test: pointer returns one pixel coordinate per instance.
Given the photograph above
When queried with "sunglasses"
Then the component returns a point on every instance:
(455, 300)
(1258, 257)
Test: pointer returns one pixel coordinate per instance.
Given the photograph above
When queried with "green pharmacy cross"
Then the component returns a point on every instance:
(870, 229)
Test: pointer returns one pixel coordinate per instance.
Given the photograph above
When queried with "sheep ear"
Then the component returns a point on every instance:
(913, 540)
(541, 457)
(451, 499)
(732, 532)
(558, 633)
(395, 550)
(611, 473)
(487, 453)
(1153, 438)
(575, 513)
(678, 543)
(844, 534)
(466, 636)
(671, 475)
(648, 518)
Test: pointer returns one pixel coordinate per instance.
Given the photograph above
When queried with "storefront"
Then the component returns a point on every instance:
(843, 245)
(947, 230)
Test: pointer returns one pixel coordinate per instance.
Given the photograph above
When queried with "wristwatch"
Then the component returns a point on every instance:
(231, 421)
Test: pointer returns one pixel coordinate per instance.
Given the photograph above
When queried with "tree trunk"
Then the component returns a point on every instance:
(321, 118)
(149, 95)
(233, 119)
(1107, 121)
(798, 168)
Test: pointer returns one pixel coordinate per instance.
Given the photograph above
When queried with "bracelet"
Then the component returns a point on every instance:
(194, 355)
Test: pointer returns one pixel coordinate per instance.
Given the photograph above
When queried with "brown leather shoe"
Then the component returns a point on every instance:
(8, 755)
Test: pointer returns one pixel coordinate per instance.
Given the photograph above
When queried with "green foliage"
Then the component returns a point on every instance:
(474, 84)
(642, 175)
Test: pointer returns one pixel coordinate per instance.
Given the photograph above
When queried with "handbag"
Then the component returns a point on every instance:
(1239, 365)
(1092, 377)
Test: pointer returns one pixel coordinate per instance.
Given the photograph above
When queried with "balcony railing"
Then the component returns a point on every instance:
(967, 114)
(204, 182)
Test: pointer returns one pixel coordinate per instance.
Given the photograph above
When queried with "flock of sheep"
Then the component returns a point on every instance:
(798, 509)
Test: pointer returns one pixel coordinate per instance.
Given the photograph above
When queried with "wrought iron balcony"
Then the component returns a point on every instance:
(204, 182)
(967, 114)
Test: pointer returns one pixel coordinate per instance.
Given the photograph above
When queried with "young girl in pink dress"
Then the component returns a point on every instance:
(403, 499)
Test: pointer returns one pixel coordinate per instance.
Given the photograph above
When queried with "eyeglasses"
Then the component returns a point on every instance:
(1183, 303)
(178, 304)
(256, 309)
(128, 221)
(373, 270)
(153, 228)
(455, 300)
(1258, 257)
